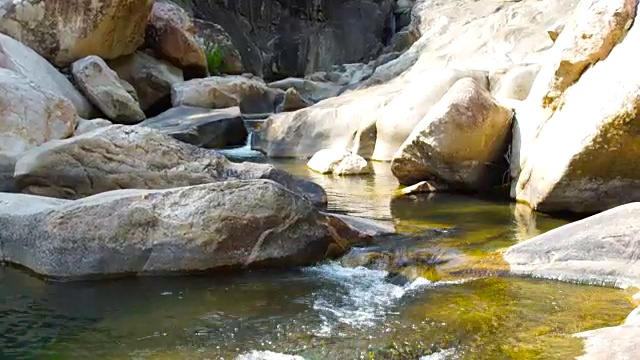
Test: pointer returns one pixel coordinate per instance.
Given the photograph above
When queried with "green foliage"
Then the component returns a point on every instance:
(215, 58)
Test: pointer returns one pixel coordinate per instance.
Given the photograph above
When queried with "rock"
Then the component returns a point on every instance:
(294, 101)
(601, 249)
(30, 115)
(617, 342)
(425, 187)
(19, 58)
(7, 167)
(363, 121)
(171, 35)
(105, 89)
(460, 141)
(85, 126)
(309, 89)
(583, 158)
(151, 78)
(222, 92)
(219, 226)
(338, 162)
(555, 30)
(63, 31)
(276, 40)
(202, 127)
(366, 226)
(516, 82)
(212, 36)
(347, 74)
(267, 355)
(135, 157)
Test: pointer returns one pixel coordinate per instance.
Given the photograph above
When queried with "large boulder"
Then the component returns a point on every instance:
(151, 78)
(602, 249)
(21, 59)
(584, 157)
(217, 42)
(221, 226)
(587, 38)
(171, 35)
(460, 142)
(30, 115)
(64, 31)
(135, 157)
(278, 39)
(210, 128)
(293, 101)
(252, 96)
(106, 90)
(616, 342)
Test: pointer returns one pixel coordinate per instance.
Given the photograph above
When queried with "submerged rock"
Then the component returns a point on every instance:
(600, 249)
(135, 157)
(225, 225)
(209, 128)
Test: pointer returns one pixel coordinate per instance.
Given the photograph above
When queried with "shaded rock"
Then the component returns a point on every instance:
(601, 249)
(151, 78)
(617, 342)
(85, 126)
(170, 34)
(338, 162)
(584, 157)
(250, 95)
(21, 59)
(105, 90)
(294, 101)
(347, 74)
(202, 127)
(212, 36)
(460, 141)
(30, 115)
(7, 167)
(135, 157)
(225, 225)
(64, 31)
(309, 89)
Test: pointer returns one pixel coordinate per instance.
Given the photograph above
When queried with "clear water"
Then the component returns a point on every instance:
(327, 311)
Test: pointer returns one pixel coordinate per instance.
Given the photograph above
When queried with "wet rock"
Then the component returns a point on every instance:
(210, 128)
(294, 101)
(64, 31)
(601, 249)
(460, 141)
(30, 115)
(233, 224)
(617, 342)
(7, 167)
(583, 158)
(85, 126)
(425, 187)
(106, 90)
(135, 157)
(214, 38)
(21, 59)
(250, 95)
(367, 226)
(151, 78)
(170, 33)
(308, 88)
(338, 162)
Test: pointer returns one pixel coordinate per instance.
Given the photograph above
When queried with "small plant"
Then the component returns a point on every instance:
(215, 58)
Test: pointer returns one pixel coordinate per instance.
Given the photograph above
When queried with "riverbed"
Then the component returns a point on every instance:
(327, 311)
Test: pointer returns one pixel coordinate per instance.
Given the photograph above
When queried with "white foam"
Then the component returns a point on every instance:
(440, 355)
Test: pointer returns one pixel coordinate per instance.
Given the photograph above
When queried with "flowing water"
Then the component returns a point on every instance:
(327, 311)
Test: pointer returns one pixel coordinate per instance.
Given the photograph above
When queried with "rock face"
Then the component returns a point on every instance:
(171, 35)
(277, 40)
(19, 58)
(583, 158)
(217, 92)
(460, 141)
(210, 36)
(234, 224)
(202, 127)
(338, 162)
(151, 78)
(30, 115)
(105, 89)
(135, 157)
(64, 31)
(618, 342)
(599, 249)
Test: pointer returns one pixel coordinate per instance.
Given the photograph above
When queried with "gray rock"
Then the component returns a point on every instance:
(602, 249)
(308, 88)
(135, 157)
(84, 126)
(617, 342)
(226, 225)
(106, 90)
(7, 167)
(210, 128)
